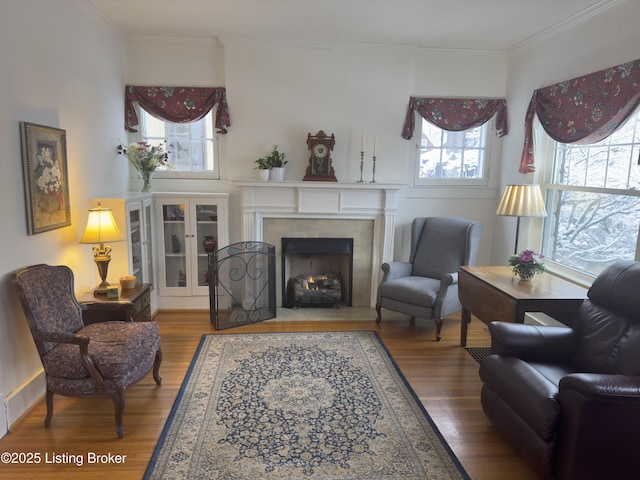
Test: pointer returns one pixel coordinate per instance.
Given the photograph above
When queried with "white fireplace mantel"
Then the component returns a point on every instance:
(323, 200)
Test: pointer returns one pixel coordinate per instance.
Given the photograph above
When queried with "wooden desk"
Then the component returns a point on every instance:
(495, 293)
(139, 297)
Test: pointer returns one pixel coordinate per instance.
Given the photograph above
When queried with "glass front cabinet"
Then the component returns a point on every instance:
(189, 228)
(140, 241)
(134, 255)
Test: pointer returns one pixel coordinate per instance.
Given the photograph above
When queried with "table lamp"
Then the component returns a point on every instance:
(521, 201)
(101, 228)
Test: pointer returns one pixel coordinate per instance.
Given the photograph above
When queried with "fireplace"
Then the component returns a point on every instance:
(317, 272)
(366, 212)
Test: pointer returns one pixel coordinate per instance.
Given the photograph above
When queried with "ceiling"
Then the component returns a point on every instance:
(447, 24)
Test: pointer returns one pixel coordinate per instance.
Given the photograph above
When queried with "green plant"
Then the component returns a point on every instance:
(276, 159)
(262, 164)
(526, 263)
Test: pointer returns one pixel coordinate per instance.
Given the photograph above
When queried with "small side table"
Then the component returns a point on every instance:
(139, 297)
(494, 293)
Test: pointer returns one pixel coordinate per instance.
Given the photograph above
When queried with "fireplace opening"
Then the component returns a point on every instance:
(317, 272)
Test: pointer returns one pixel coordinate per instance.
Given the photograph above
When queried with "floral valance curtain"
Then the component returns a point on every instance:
(583, 110)
(177, 104)
(456, 114)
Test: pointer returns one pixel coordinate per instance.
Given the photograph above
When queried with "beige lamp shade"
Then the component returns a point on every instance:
(101, 227)
(522, 201)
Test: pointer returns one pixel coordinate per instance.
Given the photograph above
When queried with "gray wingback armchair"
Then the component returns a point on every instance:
(96, 360)
(426, 286)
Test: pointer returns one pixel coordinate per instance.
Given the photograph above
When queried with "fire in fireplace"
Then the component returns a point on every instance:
(317, 272)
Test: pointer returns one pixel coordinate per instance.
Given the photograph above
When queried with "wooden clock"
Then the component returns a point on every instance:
(320, 167)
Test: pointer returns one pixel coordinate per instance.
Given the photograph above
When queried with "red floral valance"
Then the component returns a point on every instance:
(177, 104)
(583, 110)
(456, 114)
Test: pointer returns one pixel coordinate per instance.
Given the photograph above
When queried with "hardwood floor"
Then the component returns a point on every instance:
(442, 374)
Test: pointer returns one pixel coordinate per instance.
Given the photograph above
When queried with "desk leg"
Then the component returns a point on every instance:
(464, 326)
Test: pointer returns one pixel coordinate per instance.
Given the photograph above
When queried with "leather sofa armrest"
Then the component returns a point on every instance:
(533, 342)
(396, 270)
(603, 386)
(599, 428)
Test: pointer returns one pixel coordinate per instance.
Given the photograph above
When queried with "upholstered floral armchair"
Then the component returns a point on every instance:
(426, 286)
(100, 359)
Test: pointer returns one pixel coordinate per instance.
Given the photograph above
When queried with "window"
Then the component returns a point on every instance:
(447, 157)
(191, 146)
(593, 201)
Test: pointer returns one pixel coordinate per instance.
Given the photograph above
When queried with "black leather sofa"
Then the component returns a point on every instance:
(568, 399)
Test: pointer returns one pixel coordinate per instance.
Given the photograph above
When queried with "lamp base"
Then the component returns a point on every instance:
(100, 289)
(102, 262)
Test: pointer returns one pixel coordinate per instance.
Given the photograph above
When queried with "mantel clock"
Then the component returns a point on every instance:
(320, 166)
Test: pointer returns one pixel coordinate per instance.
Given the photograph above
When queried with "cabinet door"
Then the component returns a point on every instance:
(206, 236)
(140, 243)
(174, 247)
(147, 242)
(135, 233)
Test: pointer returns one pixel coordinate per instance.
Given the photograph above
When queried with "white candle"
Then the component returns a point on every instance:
(362, 143)
(374, 145)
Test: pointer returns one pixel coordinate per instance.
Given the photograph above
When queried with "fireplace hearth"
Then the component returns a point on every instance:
(317, 272)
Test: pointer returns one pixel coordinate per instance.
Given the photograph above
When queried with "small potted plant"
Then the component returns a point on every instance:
(263, 166)
(526, 264)
(276, 164)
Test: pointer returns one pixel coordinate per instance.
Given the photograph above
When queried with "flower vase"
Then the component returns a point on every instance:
(50, 202)
(526, 276)
(276, 173)
(145, 175)
(209, 243)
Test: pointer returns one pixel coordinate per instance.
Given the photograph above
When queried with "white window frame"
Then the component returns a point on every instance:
(168, 173)
(545, 157)
(491, 142)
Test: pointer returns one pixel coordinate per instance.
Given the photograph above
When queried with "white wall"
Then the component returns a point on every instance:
(279, 92)
(609, 39)
(61, 67)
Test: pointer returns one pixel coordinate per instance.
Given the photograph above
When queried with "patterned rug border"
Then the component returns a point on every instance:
(194, 361)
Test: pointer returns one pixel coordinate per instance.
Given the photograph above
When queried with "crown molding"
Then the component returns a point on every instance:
(564, 25)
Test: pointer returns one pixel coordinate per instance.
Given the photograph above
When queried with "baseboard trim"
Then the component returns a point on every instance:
(4, 428)
(23, 398)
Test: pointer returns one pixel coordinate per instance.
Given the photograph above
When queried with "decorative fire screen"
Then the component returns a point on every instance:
(243, 289)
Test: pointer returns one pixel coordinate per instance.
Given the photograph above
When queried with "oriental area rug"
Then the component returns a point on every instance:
(320, 405)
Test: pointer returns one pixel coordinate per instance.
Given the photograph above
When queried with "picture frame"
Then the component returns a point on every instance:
(46, 182)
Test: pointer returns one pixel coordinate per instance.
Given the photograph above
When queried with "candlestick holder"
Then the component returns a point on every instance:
(361, 166)
(373, 179)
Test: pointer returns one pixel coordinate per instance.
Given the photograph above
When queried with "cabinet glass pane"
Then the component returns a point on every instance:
(206, 238)
(148, 235)
(135, 238)
(174, 245)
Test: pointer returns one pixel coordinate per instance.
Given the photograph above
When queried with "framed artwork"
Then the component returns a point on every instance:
(46, 184)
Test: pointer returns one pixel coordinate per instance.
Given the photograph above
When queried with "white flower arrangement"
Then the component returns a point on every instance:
(47, 173)
(144, 156)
